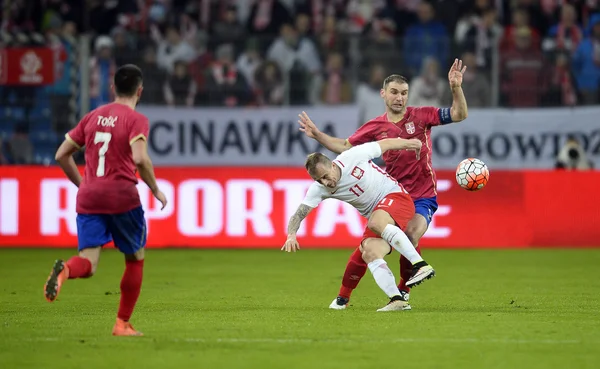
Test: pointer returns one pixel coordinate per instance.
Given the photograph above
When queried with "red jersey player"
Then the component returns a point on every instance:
(108, 204)
(416, 175)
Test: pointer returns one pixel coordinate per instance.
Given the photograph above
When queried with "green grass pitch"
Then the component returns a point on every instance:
(485, 309)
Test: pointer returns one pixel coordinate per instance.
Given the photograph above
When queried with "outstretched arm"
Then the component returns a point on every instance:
(401, 144)
(458, 111)
(337, 145)
(291, 244)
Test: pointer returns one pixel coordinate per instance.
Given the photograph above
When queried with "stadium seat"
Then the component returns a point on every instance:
(7, 128)
(40, 125)
(44, 155)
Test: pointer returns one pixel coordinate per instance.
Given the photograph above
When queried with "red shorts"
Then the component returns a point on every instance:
(399, 206)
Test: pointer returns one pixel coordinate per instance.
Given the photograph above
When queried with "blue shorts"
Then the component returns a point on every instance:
(127, 230)
(426, 207)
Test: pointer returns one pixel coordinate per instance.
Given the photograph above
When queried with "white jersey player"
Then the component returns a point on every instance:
(362, 183)
(353, 178)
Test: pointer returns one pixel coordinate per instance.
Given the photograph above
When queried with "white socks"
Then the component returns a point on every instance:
(384, 277)
(399, 241)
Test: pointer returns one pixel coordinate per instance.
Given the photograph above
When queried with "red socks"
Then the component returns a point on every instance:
(79, 267)
(405, 272)
(131, 285)
(355, 270)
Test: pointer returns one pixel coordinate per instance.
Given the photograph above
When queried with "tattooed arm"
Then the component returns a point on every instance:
(291, 244)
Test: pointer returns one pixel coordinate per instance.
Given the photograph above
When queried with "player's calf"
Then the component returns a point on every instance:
(374, 249)
(415, 229)
(355, 270)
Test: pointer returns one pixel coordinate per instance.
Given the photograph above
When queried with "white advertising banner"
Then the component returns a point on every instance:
(240, 136)
(516, 139)
(502, 138)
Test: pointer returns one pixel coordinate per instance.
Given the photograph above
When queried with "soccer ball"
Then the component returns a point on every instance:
(472, 174)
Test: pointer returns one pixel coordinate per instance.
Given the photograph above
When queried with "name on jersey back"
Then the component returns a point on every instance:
(106, 121)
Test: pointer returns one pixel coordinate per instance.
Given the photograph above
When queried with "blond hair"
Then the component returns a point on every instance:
(315, 159)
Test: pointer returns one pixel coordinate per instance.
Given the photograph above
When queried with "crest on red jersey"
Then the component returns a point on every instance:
(357, 173)
(410, 128)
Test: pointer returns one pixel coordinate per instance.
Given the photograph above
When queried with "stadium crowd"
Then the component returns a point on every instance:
(232, 53)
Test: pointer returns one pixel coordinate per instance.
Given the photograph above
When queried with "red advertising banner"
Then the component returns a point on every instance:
(32, 66)
(249, 207)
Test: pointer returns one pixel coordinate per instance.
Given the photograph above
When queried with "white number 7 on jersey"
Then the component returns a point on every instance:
(103, 137)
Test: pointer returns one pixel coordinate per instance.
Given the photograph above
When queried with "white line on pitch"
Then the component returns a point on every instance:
(506, 341)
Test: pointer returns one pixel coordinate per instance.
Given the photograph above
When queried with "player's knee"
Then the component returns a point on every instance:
(369, 255)
(415, 230)
(372, 250)
(376, 225)
(138, 255)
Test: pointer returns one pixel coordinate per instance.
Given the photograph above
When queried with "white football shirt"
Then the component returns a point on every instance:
(363, 184)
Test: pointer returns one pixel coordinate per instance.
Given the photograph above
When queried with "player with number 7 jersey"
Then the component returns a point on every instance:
(108, 204)
(353, 178)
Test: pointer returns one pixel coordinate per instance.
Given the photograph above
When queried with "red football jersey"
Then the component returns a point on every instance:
(417, 176)
(109, 182)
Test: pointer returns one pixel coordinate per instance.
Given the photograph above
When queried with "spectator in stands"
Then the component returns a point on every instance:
(180, 89)
(125, 49)
(572, 156)
(102, 71)
(20, 147)
(482, 38)
(401, 13)
(566, 35)
(171, 48)
(331, 38)
(452, 14)
(537, 17)
(319, 10)
(225, 85)
(586, 63)
(522, 69)
(269, 86)
(103, 15)
(471, 16)
(155, 78)
(63, 44)
(361, 12)
(520, 19)
(379, 46)
(229, 30)
(428, 88)
(200, 65)
(302, 23)
(336, 88)
(561, 83)
(368, 95)
(426, 38)
(266, 19)
(249, 61)
(476, 86)
(298, 58)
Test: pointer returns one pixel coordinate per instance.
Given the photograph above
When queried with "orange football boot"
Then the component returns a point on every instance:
(123, 328)
(58, 275)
